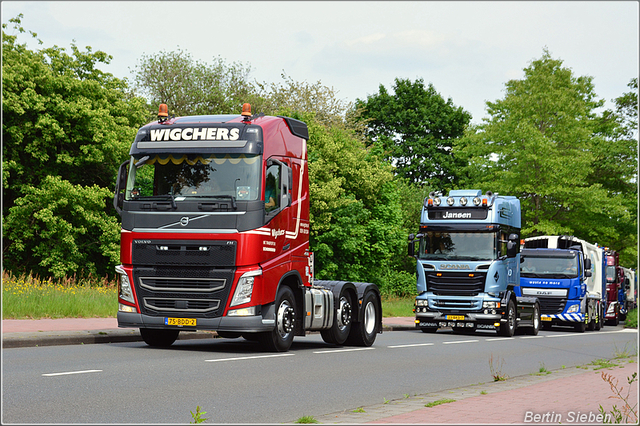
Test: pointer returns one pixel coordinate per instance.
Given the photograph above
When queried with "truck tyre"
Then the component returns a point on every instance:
(364, 333)
(342, 318)
(508, 328)
(533, 330)
(580, 327)
(429, 329)
(592, 322)
(281, 337)
(159, 338)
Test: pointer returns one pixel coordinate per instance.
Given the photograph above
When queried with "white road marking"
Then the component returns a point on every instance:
(410, 346)
(71, 372)
(342, 350)
(246, 357)
(459, 341)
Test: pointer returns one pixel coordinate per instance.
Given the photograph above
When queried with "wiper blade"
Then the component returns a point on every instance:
(161, 197)
(226, 197)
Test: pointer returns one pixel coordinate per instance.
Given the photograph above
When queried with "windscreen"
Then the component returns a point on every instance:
(197, 176)
(458, 246)
(549, 267)
(611, 274)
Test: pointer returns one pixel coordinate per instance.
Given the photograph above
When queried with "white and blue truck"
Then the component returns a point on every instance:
(468, 265)
(567, 276)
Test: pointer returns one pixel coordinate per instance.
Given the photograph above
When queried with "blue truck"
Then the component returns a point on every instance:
(567, 275)
(467, 264)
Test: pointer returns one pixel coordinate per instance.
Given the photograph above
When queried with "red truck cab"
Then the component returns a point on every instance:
(215, 236)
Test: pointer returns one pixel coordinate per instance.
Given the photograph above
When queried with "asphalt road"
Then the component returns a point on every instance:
(236, 382)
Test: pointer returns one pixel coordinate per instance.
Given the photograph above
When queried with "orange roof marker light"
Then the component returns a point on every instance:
(246, 111)
(163, 112)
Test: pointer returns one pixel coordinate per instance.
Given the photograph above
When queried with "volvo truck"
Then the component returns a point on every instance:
(215, 236)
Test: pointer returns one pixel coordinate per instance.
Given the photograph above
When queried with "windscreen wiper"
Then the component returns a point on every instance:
(226, 197)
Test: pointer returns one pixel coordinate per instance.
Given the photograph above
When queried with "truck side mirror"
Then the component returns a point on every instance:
(512, 245)
(121, 184)
(412, 248)
(588, 273)
(287, 184)
(587, 263)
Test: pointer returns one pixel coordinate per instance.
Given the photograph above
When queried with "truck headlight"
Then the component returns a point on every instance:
(422, 302)
(573, 308)
(490, 305)
(124, 286)
(244, 289)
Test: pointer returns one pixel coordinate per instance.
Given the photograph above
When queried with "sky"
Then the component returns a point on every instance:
(468, 50)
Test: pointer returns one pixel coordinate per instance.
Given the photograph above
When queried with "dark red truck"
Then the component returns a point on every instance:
(215, 236)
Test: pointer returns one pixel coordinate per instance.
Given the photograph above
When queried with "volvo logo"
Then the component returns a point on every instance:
(184, 221)
(454, 266)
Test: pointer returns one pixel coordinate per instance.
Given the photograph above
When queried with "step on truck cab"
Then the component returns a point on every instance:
(215, 236)
(467, 260)
(567, 275)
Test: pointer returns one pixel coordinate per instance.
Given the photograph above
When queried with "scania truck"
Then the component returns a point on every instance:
(215, 236)
(567, 275)
(467, 264)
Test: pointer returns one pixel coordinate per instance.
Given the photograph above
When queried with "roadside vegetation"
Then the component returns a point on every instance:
(29, 297)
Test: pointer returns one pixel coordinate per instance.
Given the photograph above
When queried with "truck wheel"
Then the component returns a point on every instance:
(281, 337)
(341, 327)
(592, 322)
(508, 329)
(429, 329)
(364, 333)
(533, 330)
(580, 327)
(159, 338)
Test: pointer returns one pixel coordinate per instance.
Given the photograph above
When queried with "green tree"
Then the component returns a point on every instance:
(63, 118)
(356, 231)
(191, 87)
(615, 168)
(540, 145)
(416, 128)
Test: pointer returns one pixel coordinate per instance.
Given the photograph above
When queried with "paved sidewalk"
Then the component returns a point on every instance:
(571, 395)
(563, 396)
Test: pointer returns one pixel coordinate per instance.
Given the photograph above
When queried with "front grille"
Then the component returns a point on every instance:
(551, 305)
(196, 253)
(183, 291)
(456, 283)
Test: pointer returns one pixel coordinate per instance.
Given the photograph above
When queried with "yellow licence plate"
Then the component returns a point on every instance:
(455, 317)
(180, 321)
(545, 318)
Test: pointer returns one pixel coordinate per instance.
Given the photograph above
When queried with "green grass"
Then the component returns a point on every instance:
(632, 319)
(27, 297)
(439, 402)
(307, 419)
(393, 306)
